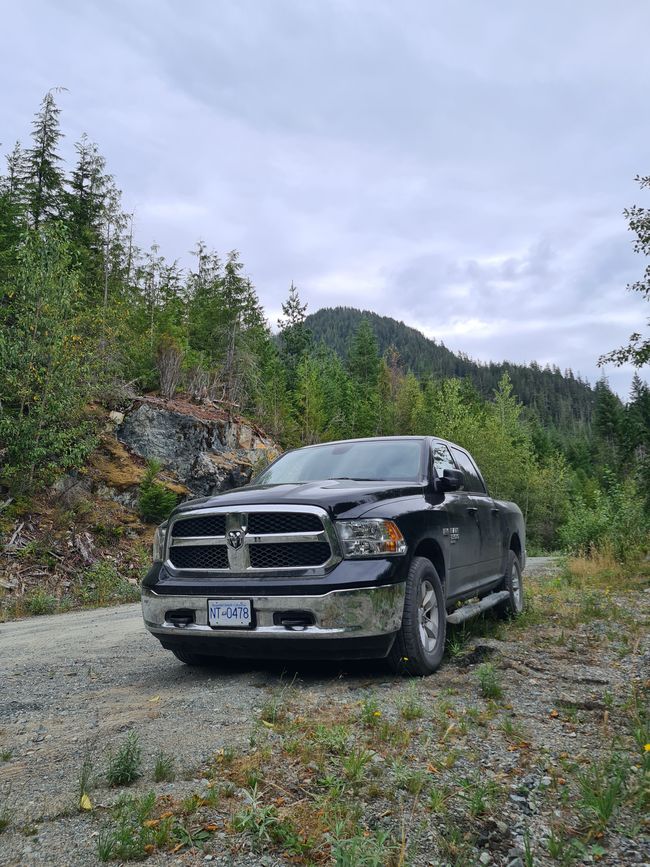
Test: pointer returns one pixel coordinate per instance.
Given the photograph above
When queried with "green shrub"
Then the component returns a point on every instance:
(613, 521)
(155, 501)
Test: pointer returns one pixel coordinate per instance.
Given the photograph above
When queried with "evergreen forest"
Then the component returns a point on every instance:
(86, 315)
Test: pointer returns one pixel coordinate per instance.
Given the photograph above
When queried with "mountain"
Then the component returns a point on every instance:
(559, 399)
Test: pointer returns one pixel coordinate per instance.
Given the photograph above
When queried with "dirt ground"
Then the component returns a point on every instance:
(73, 686)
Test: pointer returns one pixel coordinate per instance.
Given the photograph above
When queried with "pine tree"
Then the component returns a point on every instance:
(44, 176)
(295, 337)
(363, 357)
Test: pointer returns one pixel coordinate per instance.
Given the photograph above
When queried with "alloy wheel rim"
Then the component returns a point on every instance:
(428, 616)
(515, 584)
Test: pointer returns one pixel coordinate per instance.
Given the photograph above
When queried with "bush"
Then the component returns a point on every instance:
(613, 522)
(155, 501)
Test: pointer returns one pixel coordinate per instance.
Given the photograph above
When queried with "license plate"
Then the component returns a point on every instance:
(230, 612)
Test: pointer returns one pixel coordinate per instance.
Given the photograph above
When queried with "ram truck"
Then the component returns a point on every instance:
(359, 549)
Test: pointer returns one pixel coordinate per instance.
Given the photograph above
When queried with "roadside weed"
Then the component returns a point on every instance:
(437, 800)
(361, 849)
(512, 730)
(479, 795)
(39, 602)
(84, 782)
(488, 680)
(602, 788)
(370, 713)
(409, 705)
(124, 766)
(6, 811)
(333, 739)
(5, 755)
(164, 768)
(354, 765)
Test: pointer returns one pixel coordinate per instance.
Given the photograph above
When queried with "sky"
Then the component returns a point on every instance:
(461, 166)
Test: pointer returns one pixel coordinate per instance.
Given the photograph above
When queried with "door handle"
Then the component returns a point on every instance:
(472, 509)
(494, 510)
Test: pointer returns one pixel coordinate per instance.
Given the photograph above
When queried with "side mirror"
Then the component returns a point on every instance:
(452, 480)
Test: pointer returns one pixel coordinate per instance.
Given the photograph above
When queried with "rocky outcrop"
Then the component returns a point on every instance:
(206, 449)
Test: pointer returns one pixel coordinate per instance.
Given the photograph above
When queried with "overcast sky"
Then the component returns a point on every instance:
(462, 166)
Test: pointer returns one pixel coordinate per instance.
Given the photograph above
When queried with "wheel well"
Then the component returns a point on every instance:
(515, 545)
(431, 550)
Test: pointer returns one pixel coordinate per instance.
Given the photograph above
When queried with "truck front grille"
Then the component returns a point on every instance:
(287, 556)
(260, 523)
(209, 525)
(199, 557)
(266, 539)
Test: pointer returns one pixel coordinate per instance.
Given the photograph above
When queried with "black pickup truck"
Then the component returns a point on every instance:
(354, 549)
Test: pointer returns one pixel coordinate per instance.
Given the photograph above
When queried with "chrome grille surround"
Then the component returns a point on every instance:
(239, 560)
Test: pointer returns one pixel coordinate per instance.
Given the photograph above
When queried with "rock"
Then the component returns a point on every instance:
(485, 858)
(516, 862)
(204, 448)
(116, 417)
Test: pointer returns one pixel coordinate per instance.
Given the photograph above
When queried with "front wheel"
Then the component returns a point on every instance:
(192, 658)
(513, 583)
(420, 643)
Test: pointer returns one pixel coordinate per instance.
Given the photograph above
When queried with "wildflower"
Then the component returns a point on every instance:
(378, 713)
(647, 748)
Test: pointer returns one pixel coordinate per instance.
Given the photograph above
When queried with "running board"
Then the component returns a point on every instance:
(467, 611)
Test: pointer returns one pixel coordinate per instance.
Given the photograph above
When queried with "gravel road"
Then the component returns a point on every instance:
(75, 683)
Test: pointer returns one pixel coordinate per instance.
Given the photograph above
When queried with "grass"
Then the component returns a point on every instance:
(362, 849)
(410, 706)
(601, 792)
(125, 765)
(6, 812)
(85, 779)
(370, 712)
(488, 679)
(164, 771)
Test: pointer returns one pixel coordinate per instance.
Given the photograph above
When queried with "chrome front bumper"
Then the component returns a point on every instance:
(355, 613)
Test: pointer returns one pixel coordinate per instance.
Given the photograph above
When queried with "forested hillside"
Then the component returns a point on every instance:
(559, 399)
(87, 316)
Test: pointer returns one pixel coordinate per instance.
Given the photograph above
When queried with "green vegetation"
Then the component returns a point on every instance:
(125, 765)
(164, 771)
(84, 311)
(155, 501)
(488, 679)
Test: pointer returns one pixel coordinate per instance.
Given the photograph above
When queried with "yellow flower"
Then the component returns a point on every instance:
(378, 713)
(647, 748)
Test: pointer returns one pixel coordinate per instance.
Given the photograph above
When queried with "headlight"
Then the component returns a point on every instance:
(370, 537)
(159, 543)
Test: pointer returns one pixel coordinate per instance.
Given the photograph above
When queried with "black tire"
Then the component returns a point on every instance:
(513, 583)
(410, 654)
(192, 658)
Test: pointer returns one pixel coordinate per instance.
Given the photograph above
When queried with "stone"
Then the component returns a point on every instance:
(203, 448)
(485, 858)
(116, 417)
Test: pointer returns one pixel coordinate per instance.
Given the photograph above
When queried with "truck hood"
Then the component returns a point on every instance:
(338, 496)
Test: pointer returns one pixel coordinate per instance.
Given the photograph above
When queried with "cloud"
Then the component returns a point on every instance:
(462, 167)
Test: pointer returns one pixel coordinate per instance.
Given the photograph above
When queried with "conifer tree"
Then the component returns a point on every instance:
(295, 337)
(44, 182)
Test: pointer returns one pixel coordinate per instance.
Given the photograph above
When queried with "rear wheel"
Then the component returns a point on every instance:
(420, 643)
(192, 658)
(513, 583)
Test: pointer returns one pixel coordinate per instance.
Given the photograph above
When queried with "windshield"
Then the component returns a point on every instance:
(364, 461)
